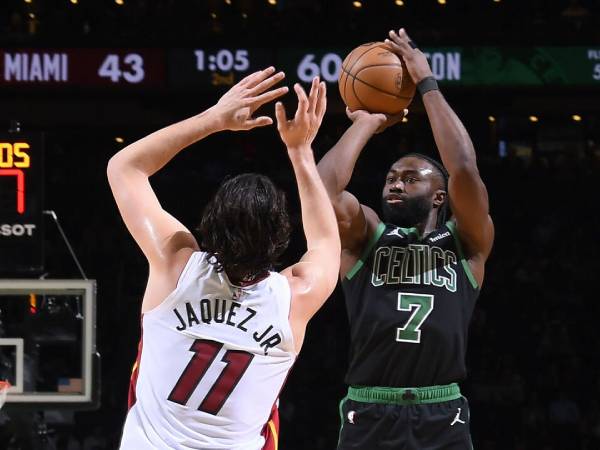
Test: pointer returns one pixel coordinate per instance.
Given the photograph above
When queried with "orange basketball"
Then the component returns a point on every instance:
(375, 79)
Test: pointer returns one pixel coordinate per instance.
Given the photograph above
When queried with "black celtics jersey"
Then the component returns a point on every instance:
(409, 300)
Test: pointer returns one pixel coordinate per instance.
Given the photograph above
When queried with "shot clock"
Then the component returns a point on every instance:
(21, 199)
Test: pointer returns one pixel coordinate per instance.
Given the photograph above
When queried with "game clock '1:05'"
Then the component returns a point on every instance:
(209, 68)
(222, 60)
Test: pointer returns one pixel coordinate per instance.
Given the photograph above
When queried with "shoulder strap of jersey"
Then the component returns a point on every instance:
(189, 272)
(365, 254)
(191, 267)
(281, 287)
(467, 268)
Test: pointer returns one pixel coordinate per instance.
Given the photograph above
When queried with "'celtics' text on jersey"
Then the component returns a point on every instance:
(409, 300)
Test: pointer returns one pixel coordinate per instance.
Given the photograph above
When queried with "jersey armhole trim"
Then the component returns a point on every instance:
(378, 232)
(194, 257)
(284, 315)
(467, 268)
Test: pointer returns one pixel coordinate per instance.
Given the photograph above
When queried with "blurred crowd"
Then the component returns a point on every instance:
(298, 22)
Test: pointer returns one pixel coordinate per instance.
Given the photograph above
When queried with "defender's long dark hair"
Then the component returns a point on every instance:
(245, 227)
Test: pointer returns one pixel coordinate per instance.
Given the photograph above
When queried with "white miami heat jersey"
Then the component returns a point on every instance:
(213, 359)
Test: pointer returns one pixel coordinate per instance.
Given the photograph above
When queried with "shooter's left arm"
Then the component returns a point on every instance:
(468, 195)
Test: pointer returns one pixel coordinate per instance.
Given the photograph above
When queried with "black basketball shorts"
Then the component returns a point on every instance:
(431, 418)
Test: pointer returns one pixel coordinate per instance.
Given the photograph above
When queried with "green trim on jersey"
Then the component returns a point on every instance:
(411, 230)
(378, 232)
(452, 227)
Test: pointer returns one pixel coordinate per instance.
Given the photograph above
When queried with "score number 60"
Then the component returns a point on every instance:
(328, 68)
(132, 72)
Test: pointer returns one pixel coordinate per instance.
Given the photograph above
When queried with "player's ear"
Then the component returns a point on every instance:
(439, 197)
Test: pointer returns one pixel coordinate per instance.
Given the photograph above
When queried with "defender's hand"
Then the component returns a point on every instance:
(237, 105)
(415, 59)
(379, 121)
(302, 129)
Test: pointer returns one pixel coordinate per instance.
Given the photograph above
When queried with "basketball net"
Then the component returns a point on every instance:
(4, 385)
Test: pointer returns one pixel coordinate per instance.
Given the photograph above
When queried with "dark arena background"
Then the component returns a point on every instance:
(80, 79)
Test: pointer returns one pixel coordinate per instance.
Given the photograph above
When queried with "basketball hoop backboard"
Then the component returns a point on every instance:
(48, 343)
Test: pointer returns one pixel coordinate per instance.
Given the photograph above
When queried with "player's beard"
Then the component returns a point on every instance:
(410, 212)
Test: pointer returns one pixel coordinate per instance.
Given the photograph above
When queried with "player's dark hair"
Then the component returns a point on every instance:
(245, 227)
(443, 212)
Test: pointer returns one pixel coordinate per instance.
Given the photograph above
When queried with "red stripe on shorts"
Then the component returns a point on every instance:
(131, 398)
(271, 430)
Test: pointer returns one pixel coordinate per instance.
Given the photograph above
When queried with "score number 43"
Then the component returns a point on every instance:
(129, 67)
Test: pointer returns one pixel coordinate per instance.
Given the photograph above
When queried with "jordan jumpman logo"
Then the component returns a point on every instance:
(457, 418)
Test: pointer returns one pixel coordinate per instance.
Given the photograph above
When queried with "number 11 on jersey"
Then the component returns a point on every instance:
(205, 352)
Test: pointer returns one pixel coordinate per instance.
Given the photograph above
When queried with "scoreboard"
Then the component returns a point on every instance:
(209, 68)
(82, 68)
(21, 203)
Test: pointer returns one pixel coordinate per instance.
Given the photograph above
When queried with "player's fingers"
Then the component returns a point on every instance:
(266, 84)
(405, 112)
(247, 79)
(258, 122)
(349, 114)
(313, 95)
(280, 115)
(398, 44)
(322, 100)
(397, 49)
(302, 101)
(406, 38)
(253, 79)
(268, 96)
(352, 114)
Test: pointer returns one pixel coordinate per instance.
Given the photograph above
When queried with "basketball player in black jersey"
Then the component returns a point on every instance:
(411, 280)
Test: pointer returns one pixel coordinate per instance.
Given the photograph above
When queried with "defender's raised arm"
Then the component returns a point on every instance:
(165, 241)
(313, 278)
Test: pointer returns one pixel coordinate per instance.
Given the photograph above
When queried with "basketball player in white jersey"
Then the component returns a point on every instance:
(220, 331)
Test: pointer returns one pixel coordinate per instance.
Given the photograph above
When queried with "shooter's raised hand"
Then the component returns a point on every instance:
(415, 59)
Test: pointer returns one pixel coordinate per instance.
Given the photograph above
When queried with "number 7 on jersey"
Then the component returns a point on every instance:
(421, 306)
